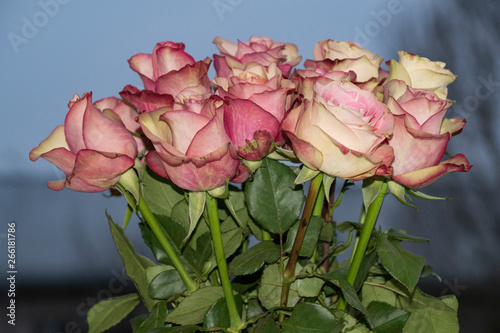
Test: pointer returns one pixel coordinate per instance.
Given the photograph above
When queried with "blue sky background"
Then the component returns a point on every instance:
(84, 46)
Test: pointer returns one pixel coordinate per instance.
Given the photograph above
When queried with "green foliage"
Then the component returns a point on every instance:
(252, 260)
(382, 299)
(401, 264)
(272, 198)
(110, 312)
(160, 194)
(192, 309)
(135, 264)
(311, 318)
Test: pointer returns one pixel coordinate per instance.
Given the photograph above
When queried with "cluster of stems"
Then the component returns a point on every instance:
(313, 207)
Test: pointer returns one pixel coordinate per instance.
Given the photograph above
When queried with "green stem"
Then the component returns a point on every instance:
(213, 217)
(362, 217)
(364, 238)
(155, 227)
(289, 272)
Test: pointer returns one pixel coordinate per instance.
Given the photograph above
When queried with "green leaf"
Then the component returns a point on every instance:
(169, 226)
(254, 258)
(421, 195)
(166, 284)
(387, 318)
(193, 308)
(368, 261)
(309, 287)
(403, 236)
(156, 319)
(203, 251)
(110, 312)
(196, 207)
(311, 237)
(327, 234)
(232, 240)
(429, 314)
(352, 298)
(375, 289)
(398, 191)
(305, 174)
(135, 264)
(311, 318)
(272, 198)
(270, 288)
(266, 325)
(371, 189)
(160, 194)
(401, 264)
(218, 314)
(180, 212)
(327, 185)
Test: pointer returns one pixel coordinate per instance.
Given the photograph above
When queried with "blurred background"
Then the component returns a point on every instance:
(51, 49)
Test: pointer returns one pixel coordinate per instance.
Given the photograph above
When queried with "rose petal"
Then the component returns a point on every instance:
(424, 177)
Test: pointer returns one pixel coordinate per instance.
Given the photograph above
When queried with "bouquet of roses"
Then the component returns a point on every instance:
(214, 169)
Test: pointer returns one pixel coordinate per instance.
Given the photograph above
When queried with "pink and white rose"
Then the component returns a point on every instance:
(92, 148)
(421, 135)
(343, 132)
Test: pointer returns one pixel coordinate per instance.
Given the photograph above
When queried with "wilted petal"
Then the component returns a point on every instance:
(95, 171)
(424, 177)
(146, 100)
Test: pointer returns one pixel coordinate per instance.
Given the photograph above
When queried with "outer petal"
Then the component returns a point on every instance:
(203, 173)
(242, 118)
(142, 64)
(169, 56)
(306, 152)
(453, 126)
(146, 100)
(155, 163)
(103, 134)
(414, 150)
(184, 126)
(96, 172)
(339, 160)
(56, 139)
(175, 82)
(424, 177)
(73, 124)
(210, 138)
(61, 158)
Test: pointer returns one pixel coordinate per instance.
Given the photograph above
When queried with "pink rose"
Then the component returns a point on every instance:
(166, 57)
(93, 150)
(166, 74)
(191, 149)
(256, 101)
(342, 131)
(421, 134)
(261, 50)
